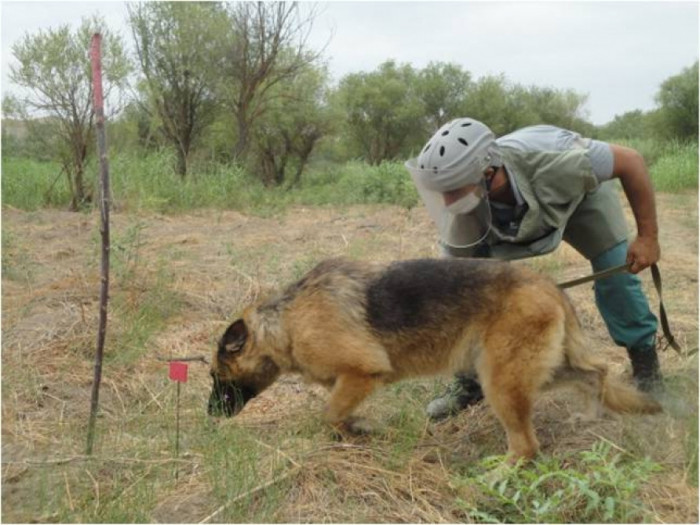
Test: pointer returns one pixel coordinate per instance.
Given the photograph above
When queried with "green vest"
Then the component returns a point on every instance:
(558, 187)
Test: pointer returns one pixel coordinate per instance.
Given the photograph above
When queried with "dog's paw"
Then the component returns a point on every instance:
(354, 426)
(361, 426)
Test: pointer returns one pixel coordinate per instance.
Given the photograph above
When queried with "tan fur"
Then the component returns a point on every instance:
(521, 338)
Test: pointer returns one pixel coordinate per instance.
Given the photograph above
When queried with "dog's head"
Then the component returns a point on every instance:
(240, 370)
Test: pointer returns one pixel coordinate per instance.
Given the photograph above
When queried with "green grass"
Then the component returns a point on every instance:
(357, 183)
(16, 261)
(148, 182)
(29, 184)
(677, 168)
(673, 165)
(141, 313)
(603, 488)
(236, 462)
(141, 300)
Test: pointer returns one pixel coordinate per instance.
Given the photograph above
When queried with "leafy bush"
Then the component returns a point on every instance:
(389, 183)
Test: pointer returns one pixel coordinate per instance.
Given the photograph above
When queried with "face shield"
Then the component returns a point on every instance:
(462, 224)
(456, 158)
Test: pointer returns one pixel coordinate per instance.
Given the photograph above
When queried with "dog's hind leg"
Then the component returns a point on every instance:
(349, 390)
(511, 373)
(520, 355)
(513, 406)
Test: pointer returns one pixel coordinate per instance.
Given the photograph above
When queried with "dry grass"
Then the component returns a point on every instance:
(177, 281)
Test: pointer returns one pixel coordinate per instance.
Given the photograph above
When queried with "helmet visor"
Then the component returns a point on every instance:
(458, 230)
(465, 230)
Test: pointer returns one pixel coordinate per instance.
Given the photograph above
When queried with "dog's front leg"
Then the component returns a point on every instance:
(347, 393)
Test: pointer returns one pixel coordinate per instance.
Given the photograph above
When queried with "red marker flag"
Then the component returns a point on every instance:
(178, 371)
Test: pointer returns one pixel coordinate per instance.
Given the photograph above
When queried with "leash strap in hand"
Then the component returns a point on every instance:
(594, 277)
(656, 276)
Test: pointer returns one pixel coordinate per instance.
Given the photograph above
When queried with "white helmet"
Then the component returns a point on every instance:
(457, 156)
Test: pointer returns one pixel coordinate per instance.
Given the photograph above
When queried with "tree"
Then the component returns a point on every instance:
(678, 101)
(505, 107)
(383, 112)
(488, 100)
(556, 107)
(631, 125)
(290, 129)
(267, 45)
(443, 89)
(180, 52)
(136, 128)
(55, 69)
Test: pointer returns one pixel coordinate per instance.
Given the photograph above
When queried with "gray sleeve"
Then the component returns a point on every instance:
(601, 157)
(552, 138)
(599, 152)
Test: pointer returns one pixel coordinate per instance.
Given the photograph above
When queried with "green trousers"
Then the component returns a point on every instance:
(622, 303)
(598, 230)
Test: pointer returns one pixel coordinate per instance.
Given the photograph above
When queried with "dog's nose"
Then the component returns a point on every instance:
(216, 407)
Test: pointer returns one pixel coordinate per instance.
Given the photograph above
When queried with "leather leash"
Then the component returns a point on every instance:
(656, 276)
(594, 277)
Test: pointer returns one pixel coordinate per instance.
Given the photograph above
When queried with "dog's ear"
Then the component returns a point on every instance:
(234, 338)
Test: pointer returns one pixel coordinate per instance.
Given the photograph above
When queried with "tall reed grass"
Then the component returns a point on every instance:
(677, 168)
(30, 184)
(149, 183)
(673, 165)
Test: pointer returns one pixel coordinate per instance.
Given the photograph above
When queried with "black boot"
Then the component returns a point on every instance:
(463, 392)
(645, 369)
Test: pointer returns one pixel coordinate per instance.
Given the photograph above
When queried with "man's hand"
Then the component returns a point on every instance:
(642, 253)
(629, 167)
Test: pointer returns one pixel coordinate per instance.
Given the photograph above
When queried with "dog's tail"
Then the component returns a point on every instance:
(612, 393)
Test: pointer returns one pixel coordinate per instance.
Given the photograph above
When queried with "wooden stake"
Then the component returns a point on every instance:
(98, 103)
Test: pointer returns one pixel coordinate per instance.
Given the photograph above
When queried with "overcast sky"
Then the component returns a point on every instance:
(618, 53)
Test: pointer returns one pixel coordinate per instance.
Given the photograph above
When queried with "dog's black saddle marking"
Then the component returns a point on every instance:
(416, 293)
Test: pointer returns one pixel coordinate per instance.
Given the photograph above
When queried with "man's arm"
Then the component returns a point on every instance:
(630, 168)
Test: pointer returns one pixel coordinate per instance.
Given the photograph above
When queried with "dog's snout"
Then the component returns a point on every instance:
(228, 399)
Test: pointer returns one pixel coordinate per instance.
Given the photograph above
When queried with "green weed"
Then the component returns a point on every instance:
(124, 251)
(595, 486)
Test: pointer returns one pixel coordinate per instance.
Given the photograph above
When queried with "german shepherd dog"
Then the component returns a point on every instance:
(355, 326)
